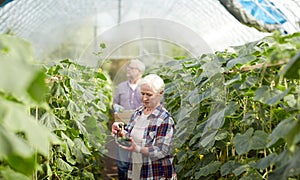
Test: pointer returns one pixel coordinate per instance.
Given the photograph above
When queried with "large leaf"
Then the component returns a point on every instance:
(265, 162)
(26, 165)
(37, 88)
(216, 119)
(282, 129)
(291, 70)
(18, 120)
(10, 174)
(211, 168)
(248, 141)
(288, 166)
(269, 96)
(12, 144)
(16, 77)
(229, 167)
(80, 145)
(52, 122)
(241, 60)
(15, 49)
(63, 165)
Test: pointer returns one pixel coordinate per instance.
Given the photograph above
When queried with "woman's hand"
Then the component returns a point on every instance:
(133, 147)
(115, 128)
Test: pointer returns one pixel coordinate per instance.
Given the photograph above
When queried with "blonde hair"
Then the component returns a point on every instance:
(154, 81)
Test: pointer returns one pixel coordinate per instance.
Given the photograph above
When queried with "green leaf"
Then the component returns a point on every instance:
(228, 167)
(241, 60)
(288, 165)
(238, 171)
(269, 96)
(37, 88)
(252, 174)
(63, 165)
(26, 165)
(18, 120)
(80, 144)
(88, 175)
(236, 78)
(16, 77)
(208, 139)
(76, 86)
(259, 140)
(291, 70)
(88, 95)
(73, 107)
(102, 45)
(12, 144)
(291, 100)
(265, 162)
(10, 174)
(249, 141)
(222, 134)
(52, 122)
(211, 168)
(231, 107)
(241, 141)
(216, 119)
(101, 76)
(15, 49)
(281, 130)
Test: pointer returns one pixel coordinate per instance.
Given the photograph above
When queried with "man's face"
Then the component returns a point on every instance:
(150, 98)
(132, 71)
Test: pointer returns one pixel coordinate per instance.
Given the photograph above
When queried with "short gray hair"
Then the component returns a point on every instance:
(140, 65)
(154, 81)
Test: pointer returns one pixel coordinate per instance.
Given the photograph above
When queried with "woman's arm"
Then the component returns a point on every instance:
(163, 141)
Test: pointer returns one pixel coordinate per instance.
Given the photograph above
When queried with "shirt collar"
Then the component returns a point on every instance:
(155, 113)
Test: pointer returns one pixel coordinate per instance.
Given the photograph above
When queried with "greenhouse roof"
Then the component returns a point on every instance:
(198, 26)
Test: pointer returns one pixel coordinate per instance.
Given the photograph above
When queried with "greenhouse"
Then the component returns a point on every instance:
(229, 99)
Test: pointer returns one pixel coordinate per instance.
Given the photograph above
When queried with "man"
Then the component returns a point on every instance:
(128, 97)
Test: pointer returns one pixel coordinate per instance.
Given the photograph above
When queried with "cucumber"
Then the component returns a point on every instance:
(124, 141)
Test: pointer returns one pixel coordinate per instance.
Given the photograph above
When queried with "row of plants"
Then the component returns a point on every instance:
(237, 112)
(53, 117)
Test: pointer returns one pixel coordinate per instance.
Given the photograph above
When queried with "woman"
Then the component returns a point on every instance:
(151, 131)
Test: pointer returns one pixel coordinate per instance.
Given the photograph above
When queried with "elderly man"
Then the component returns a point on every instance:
(128, 97)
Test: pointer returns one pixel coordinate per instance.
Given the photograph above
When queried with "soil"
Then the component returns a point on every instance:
(110, 163)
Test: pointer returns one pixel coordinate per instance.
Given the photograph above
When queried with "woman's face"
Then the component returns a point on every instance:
(150, 98)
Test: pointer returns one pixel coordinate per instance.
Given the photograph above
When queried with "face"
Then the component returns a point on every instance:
(150, 98)
(132, 71)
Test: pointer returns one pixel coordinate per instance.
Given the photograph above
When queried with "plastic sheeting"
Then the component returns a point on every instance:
(129, 28)
(265, 15)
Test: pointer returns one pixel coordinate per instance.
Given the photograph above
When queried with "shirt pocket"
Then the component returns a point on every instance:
(151, 137)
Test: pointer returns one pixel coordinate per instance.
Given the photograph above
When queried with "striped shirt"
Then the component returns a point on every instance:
(158, 137)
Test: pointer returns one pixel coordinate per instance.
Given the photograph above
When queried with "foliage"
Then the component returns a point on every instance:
(79, 99)
(237, 113)
(18, 93)
(53, 117)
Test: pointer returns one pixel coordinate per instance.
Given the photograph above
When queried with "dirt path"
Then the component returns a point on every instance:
(110, 164)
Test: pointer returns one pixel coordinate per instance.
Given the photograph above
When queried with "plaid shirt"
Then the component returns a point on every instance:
(158, 136)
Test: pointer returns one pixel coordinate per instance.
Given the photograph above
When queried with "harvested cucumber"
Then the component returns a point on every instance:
(124, 141)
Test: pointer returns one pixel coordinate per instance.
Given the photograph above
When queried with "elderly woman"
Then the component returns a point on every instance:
(151, 131)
